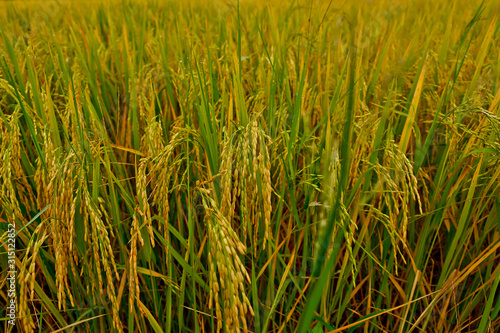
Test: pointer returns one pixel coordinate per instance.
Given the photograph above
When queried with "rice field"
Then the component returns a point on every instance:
(250, 166)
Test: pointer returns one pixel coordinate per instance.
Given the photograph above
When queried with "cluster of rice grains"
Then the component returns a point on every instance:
(163, 169)
(12, 176)
(395, 188)
(247, 181)
(143, 210)
(245, 206)
(12, 180)
(63, 183)
(226, 273)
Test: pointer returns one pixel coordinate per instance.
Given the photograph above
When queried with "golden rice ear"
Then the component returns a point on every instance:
(27, 276)
(103, 254)
(144, 208)
(227, 273)
(134, 289)
(246, 182)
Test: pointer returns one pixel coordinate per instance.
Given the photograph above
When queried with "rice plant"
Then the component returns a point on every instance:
(250, 166)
